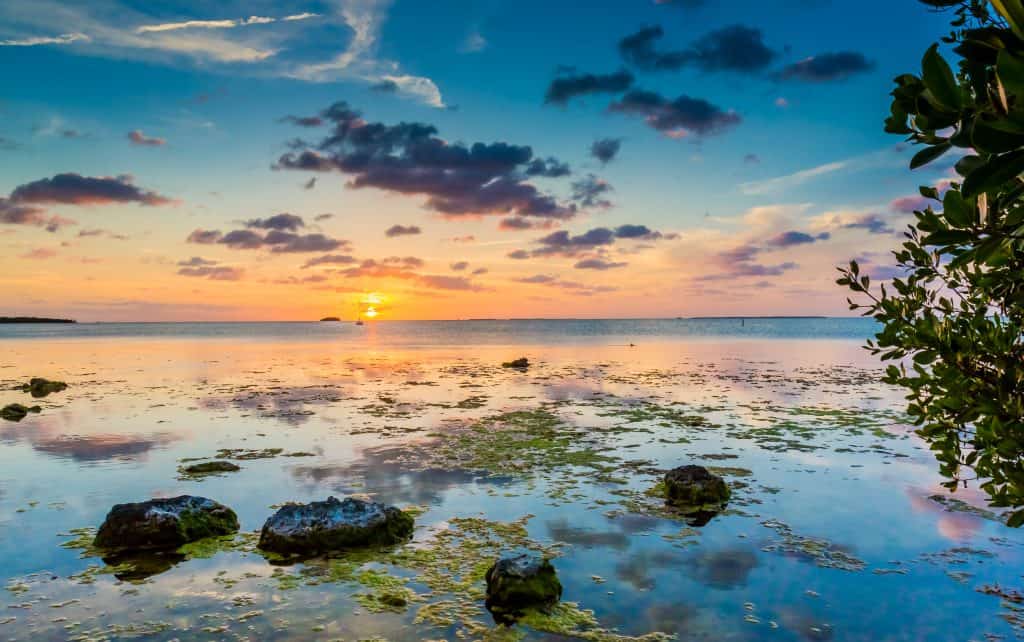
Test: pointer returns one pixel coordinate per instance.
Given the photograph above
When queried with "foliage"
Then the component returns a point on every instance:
(953, 323)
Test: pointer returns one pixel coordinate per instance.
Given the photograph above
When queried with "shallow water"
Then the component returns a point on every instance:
(837, 528)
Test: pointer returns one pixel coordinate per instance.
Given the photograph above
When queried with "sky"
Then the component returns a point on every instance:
(187, 160)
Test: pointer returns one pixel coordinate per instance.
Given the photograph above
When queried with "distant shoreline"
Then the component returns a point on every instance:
(34, 320)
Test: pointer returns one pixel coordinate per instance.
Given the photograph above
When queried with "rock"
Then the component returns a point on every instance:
(320, 527)
(521, 362)
(518, 581)
(693, 487)
(210, 468)
(16, 411)
(164, 523)
(39, 387)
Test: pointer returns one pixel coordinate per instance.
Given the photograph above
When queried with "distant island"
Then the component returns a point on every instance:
(752, 317)
(330, 319)
(34, 320)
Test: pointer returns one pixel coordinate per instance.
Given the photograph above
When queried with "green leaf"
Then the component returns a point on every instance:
(956, 210)
(939, 79)
(996, 171)
(1010, 70)
(928, 154)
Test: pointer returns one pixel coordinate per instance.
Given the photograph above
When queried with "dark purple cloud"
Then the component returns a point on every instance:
(827, 67)
(562, 243)
(679, 117)
(794, 237)
(734, 48)
(567, 86)
(402, 230)
(598, 264)
(75, 189)
(199, 267)
(605, 149)
(283, 221)
(590, 192)
(276, 240)
(459, 266)
(330, 259)
(409, 158)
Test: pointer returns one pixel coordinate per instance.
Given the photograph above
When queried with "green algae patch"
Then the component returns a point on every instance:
(17, 411)
(206, 469)
(820, 551)
(39, 387)
(567, 619)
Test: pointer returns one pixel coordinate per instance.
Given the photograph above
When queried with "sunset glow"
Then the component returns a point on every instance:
(219, 189)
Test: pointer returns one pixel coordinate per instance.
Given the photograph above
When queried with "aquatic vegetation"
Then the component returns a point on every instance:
(39, 387)
(17, 411)
(164, 523)
(818, 550)
(199, 471)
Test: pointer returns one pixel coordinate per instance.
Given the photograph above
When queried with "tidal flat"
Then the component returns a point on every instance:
(837, 527)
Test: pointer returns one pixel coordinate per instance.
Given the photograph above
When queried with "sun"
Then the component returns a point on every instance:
(371, 305)
(370, 312)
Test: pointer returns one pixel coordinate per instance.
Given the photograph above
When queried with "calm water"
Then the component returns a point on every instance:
(837, 528)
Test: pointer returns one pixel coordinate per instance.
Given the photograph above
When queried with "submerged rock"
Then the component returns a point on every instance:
(16, 411)
(521, 362)
(39, 387)
(695, 488)
(319, 527)
(164, 523)
(210, 468)
(518, 581)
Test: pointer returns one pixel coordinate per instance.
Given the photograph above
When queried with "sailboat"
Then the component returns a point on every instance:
(359, 314)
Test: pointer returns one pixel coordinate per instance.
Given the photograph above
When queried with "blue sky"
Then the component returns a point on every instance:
(779, 133)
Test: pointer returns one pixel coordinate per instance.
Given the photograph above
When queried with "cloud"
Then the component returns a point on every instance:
(605, 149)
(459, 266)
(518, 255)
(780, 183)
(871, 222)
(40, 254)
(402, 268)
(598, 264)
(562, 243)
(75, 189)
(63, 39)
(385, 87)
(827, 67)
(204, 236)
(221, 24)
(402, 230)
(138, 138)
(573, 287)
(514, 223)
(457, 179)
(734, 48)
(358, 60)
(277, 240)
(474, 43)
(794, 237)
(676, 118)
(283, 221)
(752, 159)
(196, 261)
(17, 214)
(590, 192)
(310, 184)
(330, 259)
(212, 271)
(568, 86)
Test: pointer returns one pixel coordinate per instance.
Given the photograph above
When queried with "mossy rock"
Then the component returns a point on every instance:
(695, 488)
(210, 468)
(333, 525)
(16, 411)
(520, 581)
(164, 523)
(39, 387)
(522, 363)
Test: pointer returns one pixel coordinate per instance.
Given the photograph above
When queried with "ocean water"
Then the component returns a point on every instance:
(837, 528)
(469, 332)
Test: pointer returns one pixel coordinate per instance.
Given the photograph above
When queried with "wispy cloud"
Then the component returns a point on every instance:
(221, 24)
(63, 39)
